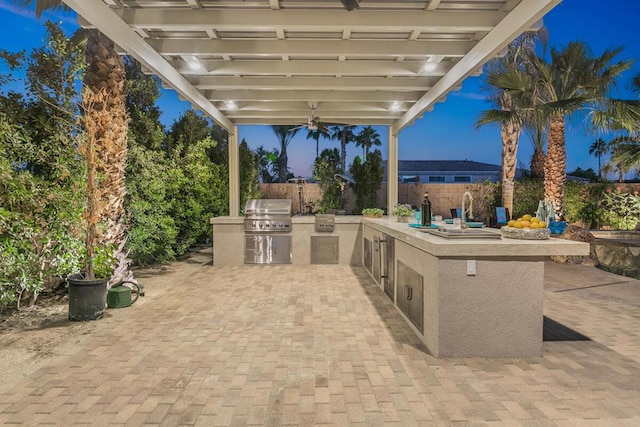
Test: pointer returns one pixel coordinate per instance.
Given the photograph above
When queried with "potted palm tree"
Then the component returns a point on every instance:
(88, 289)
(105, 73)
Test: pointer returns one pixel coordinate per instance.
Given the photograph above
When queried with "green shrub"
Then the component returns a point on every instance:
(621, 209)
(527, 193)
(367, 177)
(324, 169)
(152, 230)
(581, 203)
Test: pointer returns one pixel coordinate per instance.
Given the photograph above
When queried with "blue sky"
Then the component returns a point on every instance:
(446, 133)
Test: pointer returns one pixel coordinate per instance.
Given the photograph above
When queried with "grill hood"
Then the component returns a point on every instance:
(268, 207)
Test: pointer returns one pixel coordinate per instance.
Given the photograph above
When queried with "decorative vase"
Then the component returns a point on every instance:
(403, 218)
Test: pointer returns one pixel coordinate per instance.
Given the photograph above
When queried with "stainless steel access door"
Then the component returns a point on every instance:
(267, 249)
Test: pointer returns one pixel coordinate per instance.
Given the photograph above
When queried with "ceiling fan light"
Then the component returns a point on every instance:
(231, 105)
(395, 106)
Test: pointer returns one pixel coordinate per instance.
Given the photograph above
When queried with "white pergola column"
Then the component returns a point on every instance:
(234, 173)
(392, 171)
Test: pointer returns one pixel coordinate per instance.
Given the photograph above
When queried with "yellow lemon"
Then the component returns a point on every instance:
(534, 219)
(511, 222)
(526, 217)
(525, 224)
(518, 224)
(534, 225)
(542, 224)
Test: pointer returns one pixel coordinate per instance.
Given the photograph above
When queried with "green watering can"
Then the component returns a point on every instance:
(119, 296)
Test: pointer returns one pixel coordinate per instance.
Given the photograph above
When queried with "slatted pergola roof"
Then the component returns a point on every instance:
(271, 61)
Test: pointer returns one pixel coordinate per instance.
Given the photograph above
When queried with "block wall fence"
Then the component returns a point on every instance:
(443, 196)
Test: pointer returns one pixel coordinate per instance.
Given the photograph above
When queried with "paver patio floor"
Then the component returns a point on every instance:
(290, 345)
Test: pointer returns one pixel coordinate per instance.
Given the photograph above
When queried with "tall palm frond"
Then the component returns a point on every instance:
(367, 138)
(345, 135)
(285, 134)
(573, 80)
(626, 152)
(42, 6)
(599, 148)
(321, 131)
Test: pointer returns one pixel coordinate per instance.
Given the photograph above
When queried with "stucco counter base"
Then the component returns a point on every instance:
(496, 311)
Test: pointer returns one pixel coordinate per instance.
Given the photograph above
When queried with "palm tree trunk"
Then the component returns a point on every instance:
(283, 161)
(343, 153)
(555, 166)
(600, 166)
(106, 73)
(510, 134)
(537, 163)
(318, 145)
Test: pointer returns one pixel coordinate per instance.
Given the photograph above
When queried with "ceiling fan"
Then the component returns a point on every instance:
(350, 4)
(314, 123)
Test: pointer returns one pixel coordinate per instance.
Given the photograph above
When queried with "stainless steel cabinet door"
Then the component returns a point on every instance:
(325, 249)
(410, 295)
(367, 255)
(267, 249)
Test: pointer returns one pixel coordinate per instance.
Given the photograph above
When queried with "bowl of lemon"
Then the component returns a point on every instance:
(527, 227)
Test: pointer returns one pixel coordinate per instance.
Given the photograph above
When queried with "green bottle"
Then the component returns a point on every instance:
(426, 211)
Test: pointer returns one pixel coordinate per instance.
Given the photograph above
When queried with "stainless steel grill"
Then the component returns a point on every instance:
(267, 226)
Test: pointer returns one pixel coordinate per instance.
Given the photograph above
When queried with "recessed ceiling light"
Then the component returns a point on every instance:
(395, 106)
(429, 66)
(231, 105)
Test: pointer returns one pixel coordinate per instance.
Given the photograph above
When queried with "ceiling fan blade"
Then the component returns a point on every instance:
(335, 124)
(350, 4)
(297, 127)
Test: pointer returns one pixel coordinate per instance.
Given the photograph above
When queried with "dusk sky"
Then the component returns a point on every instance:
(446, 133)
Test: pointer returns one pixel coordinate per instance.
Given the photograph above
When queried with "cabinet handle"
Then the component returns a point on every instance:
(335, 250)
(408, 292)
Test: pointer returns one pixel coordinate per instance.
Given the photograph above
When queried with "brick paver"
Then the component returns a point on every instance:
(305, 345)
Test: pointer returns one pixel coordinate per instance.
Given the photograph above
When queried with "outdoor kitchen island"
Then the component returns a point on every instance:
(464, 297)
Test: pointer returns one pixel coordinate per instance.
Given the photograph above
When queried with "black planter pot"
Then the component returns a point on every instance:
(87, 298)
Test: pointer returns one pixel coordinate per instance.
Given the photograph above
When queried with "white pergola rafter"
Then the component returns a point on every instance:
(318, 95)
(312, 83)
(315, 48)
(309, 68)
(320, 20)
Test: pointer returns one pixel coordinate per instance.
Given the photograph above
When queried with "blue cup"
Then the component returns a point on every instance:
(418, 216)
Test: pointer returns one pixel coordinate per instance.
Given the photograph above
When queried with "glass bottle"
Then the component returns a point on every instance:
(426, 211)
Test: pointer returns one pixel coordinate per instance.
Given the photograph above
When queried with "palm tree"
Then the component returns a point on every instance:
(345, 135)
(599, 148)
(321, 131)
(285, 134)
(367, 138)
(537, 129)
(625, 154)
(574, 80)
(623, 117)
(105, 75)
(512, 84)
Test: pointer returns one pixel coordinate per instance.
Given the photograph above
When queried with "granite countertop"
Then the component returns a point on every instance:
(439, 246)
(296, 219)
